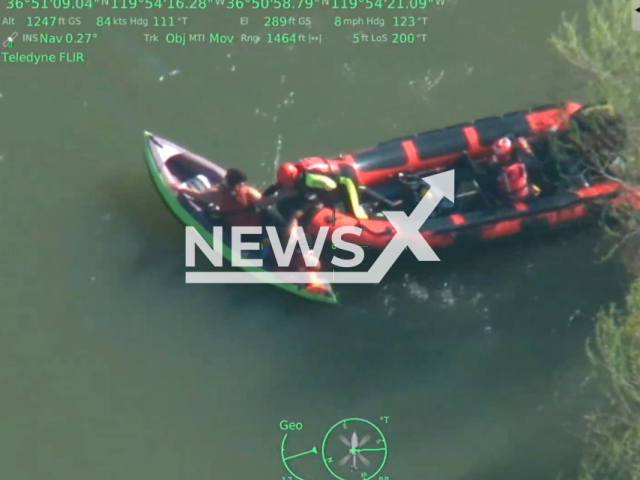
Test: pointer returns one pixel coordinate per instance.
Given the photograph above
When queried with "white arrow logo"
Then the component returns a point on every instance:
(407, 235)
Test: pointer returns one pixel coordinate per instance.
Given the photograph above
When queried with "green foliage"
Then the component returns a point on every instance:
(596, 136)
(613, 433)
(608, 53)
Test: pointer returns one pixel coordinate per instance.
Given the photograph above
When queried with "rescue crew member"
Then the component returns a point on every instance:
(291, 203)
(294, 199)
(513, 178)
(319, 175)
(300, 190)
(505, 150)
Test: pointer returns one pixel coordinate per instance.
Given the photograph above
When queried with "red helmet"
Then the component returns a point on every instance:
(502, 147)
(287, 174)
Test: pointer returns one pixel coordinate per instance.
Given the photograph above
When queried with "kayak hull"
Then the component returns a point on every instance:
(168, 162)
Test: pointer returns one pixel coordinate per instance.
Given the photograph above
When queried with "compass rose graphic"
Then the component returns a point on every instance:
(366, 450)
(354, 452)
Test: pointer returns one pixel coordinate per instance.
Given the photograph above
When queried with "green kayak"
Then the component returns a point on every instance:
(166, 160)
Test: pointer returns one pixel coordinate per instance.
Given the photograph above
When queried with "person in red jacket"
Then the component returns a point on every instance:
(513, 179)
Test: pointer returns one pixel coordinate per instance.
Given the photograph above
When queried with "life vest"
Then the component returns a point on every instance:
(513, 180)
(234, 208)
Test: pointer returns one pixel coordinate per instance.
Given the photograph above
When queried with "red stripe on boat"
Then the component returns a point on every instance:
(438, 240)
(597, 190)
(457, 219)
(566, 214)
(552, 119)
(501, 229)
(473, 139)
(411, 152)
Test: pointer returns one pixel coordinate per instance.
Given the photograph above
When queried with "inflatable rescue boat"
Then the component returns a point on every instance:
(566, 194)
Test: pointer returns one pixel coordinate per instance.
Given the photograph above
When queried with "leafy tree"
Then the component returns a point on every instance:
(608, 54)
(613, 432)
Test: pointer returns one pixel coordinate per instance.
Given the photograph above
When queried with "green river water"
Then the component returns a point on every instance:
(113, 368)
